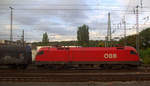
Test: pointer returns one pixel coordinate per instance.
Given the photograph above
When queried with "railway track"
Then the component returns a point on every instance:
(93, 75)
(73, 77)
(37, 70)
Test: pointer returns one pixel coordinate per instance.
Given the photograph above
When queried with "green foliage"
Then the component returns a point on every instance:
(144, 39)
(83, 35)
(56, 43)
(96, 43)
(92, 43)
(64, 43)
(45, 39)
(145, 55)
(130, 41)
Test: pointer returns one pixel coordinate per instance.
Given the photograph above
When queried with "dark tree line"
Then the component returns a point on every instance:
(144, 37)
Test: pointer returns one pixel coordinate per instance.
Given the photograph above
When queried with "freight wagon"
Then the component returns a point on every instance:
(15, 56)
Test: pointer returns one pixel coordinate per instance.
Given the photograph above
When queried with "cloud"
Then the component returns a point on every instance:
(61, 30)
(61, 18)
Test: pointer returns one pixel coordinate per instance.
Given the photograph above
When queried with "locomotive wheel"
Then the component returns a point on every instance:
(67, 67)
(106, 66)
(12, 66)
(130, 67)
(117, 67)
(51, 67)
(111, 66)
(59, 67)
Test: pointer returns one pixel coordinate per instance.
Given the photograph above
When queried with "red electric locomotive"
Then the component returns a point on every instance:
(100, 56)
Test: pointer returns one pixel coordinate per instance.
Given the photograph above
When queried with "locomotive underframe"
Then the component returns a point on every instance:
(106, 64)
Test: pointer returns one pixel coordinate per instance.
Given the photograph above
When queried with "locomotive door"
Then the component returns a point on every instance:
(61, 55)
(67, 55)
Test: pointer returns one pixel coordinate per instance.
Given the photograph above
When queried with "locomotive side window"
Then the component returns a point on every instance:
(40, 53)
(133, 52)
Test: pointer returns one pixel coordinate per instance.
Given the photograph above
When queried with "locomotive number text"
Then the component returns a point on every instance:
(110, 55)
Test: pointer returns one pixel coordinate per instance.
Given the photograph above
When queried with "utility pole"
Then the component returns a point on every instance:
(109, 31)
(11, 22)
(124, 22)
(141, 3)
(23, 38)
(137, 28)
(106, 41)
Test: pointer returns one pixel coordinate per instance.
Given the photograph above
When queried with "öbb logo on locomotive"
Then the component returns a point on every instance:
(110, 55)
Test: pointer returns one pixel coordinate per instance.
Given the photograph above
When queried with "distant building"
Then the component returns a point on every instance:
(5, 42)
(8, 42)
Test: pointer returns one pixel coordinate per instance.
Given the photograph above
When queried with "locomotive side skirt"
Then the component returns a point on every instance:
(96, 62)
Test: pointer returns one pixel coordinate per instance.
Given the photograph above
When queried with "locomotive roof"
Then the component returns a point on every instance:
(88, 48)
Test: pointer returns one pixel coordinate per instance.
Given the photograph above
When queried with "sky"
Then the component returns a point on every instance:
(61, 18)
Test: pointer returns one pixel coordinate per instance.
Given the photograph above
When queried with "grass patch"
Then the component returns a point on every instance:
(145, 55)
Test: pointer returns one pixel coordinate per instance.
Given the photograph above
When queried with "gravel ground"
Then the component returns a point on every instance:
(143, 83)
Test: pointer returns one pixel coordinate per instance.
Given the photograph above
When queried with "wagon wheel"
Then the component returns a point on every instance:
(22, 66)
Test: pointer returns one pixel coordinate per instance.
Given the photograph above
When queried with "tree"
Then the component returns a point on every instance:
(144, 39)
(45, 39)
(130, 41)
(83, 35)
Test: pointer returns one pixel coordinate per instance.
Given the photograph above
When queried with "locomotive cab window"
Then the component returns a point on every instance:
(40, 53)
(133, 52)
